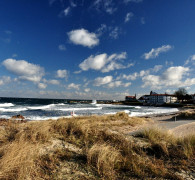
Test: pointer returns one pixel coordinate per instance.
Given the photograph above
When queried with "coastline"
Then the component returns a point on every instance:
(156, 116)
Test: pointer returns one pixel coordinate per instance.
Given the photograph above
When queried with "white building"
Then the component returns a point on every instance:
(161, 98)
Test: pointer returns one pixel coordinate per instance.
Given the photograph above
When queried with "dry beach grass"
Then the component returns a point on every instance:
(93, 147)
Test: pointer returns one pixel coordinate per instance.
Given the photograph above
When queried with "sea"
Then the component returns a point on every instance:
(43, 109)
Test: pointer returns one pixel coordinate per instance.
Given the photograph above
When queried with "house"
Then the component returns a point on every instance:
(131, 98)
(162, 98)
(144, 99)
(157, 99)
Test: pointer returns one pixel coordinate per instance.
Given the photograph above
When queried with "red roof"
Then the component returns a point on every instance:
(162, 95)
(130, 96)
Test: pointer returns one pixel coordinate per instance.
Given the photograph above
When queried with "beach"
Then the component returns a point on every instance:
(176, 123)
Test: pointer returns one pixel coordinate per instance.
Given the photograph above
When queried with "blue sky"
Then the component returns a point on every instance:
(96, 49)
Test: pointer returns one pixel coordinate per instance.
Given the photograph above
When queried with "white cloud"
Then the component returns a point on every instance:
(115, 84)
(128, 16)
(67, 11)
(73, 4)
(51, 81)
(62, 73)
(24, 70)
(127, 84)
(1, 82)
(105, 5)
(114, 65)
(83, 37)
(102, 80)
(102, 29)
(172, 77)
(94, 62)
(54, 82)
(142, 73)
(62, 47)
(114, 33)
(191, 59)
(73, 86)
(87, 89)
(104, 63)
(5, 80)
(134, 1)
(131, 77)
(93, 94)
(156, 51)
(175, 73)
(157, 68)
(42, 85)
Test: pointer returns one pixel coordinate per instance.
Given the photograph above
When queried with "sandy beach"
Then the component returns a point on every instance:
(175, 123)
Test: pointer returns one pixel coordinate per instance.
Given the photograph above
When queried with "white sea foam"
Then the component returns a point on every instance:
(38, 118)
(6, 105)
(110, 113)
(115, 106)
(138, 107)
(41, 107)
(12, 110)
(151, 111)
(127, 111)
(5, 116)
(94, 102)
(79, 109)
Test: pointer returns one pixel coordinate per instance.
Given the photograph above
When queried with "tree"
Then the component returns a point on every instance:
(181, 93)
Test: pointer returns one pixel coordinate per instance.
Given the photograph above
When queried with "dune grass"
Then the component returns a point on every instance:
(91, 148)
(188, 114)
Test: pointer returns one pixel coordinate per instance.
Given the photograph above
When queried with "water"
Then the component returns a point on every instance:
(42, 109)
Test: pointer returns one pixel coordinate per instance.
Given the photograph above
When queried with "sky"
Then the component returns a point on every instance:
(96, 49)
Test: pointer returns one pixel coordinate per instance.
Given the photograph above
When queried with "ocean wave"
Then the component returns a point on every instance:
(13, 110)
(138, 107)
(79, 109)
(116, 106)
(41, 107)
(45, 107)
(40, 118)
(6, 105)
(151, 111)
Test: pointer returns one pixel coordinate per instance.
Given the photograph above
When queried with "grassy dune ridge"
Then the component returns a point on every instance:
(93, 147)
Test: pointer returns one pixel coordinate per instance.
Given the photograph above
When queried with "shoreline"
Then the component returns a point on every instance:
(156, 116)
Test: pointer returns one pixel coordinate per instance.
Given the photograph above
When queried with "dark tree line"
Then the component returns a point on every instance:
(182, 95)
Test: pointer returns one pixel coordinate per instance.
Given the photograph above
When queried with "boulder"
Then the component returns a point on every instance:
(17, 117)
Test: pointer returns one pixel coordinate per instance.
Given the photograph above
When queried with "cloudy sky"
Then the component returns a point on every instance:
(96, 49)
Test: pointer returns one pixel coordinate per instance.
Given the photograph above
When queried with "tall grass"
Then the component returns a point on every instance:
(89, 148)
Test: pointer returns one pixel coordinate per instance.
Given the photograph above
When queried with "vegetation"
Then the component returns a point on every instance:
(182, 95)
(188, 114)
(92, 147)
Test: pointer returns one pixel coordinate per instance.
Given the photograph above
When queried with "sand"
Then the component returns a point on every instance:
(179, 126)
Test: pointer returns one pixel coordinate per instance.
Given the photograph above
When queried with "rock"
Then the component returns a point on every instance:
(17, 117)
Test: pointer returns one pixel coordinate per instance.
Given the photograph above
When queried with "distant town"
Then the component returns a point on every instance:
(179, 97)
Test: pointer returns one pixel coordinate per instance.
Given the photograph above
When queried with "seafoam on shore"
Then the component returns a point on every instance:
(45, 110)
